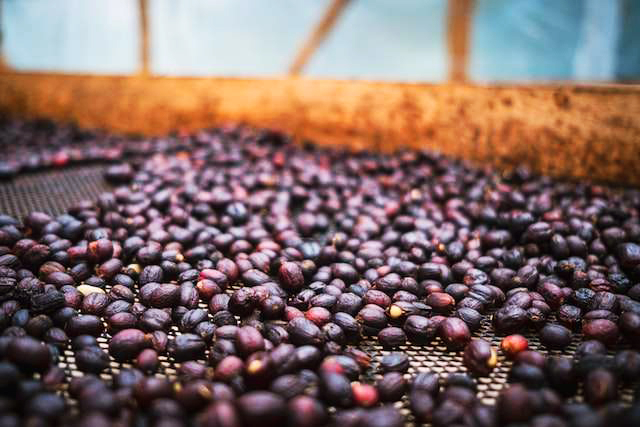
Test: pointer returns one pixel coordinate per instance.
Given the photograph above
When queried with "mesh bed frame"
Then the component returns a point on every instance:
(55, 191)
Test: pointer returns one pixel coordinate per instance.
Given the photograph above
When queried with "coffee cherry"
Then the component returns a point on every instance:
(513, 344)
(479, 357)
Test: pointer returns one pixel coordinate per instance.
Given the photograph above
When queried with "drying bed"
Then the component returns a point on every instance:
(55, 191)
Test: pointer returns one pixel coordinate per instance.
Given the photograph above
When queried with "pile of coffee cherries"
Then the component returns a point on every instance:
(256, 267)
(39, 145)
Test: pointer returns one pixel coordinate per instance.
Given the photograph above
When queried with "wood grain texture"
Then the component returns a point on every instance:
(584, 132)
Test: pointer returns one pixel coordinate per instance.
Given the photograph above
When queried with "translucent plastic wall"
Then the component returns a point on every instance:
(510, 40)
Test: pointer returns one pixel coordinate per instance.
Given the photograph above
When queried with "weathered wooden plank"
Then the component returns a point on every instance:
(588, 132)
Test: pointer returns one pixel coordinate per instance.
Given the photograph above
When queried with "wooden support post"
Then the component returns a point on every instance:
(458, 38)
(144, 37)
(3, 63)
(319, 33)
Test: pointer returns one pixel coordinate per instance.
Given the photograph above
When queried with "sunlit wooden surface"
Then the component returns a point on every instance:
(588, 132)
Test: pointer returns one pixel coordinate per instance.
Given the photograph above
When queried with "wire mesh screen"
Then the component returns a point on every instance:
(52, 192)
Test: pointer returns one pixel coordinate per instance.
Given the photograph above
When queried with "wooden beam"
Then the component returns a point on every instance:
(3, 62)
(459, 17)
(143, 7)
(317, 36)
(584, 132)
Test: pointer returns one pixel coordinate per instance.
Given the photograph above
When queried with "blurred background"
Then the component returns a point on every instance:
(393, 40)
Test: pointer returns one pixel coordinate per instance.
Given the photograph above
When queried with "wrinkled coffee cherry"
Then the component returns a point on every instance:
(479, 357)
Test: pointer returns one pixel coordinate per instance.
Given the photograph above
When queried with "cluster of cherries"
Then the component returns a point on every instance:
(256, 267)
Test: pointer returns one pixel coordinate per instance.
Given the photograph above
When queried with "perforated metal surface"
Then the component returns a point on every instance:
(52, 191)
(55, 191)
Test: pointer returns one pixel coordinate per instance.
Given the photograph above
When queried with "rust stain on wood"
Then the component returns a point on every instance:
(597, 137)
